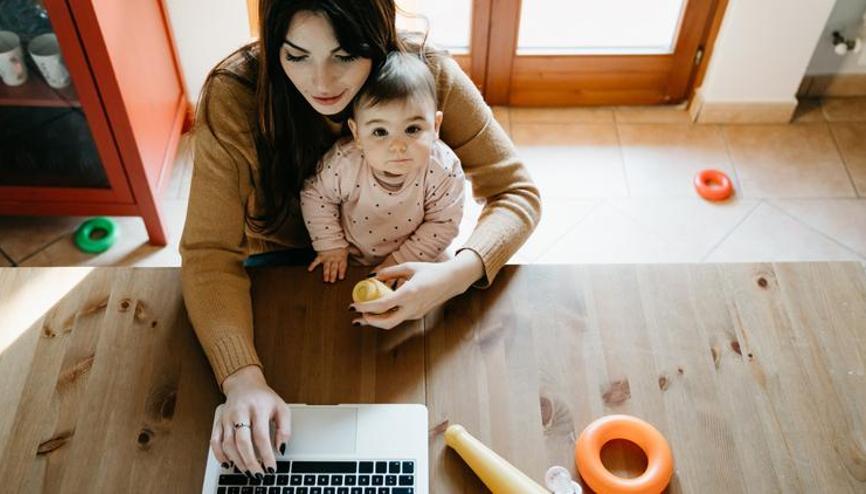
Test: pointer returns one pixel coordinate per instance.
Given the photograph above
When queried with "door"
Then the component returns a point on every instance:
(573, 52)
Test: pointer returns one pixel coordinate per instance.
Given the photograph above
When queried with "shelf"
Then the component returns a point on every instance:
(36, 92)
(48, 147)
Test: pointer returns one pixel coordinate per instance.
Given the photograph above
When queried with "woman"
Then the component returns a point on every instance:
(268, 113)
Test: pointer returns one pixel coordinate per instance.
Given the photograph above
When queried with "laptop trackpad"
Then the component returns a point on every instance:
(328, 431)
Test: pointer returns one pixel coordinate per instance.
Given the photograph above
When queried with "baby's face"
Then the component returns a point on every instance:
(396, 136)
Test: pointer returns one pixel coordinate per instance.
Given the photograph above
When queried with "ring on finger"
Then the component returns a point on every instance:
(241, 425)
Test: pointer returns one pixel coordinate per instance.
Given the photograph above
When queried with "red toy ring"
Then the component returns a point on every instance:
(713, 185)
(660, 460)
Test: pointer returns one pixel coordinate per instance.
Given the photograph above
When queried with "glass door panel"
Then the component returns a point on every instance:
(449, 21)
(591, 27)
(45, 139)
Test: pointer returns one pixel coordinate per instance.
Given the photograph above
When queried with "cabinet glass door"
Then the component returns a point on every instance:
(45, 139)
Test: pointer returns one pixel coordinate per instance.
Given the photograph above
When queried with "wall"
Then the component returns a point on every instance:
(763, 50)
(205, 31)
(847, 17)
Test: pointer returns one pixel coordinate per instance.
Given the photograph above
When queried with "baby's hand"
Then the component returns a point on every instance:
(334, 263)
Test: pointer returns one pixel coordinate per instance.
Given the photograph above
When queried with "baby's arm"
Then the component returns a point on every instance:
(320, 205)
(443, 210)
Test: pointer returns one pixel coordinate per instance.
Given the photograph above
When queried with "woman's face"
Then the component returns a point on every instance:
(326, 74)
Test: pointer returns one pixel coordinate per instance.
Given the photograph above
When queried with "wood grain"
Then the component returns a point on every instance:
(114, 388)
(311, 352)
(753, 372)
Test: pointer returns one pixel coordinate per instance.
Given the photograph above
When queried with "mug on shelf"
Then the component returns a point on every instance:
(45, 51)
(13, 70)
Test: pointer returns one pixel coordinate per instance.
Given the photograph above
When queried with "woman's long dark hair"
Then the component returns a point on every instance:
(290, 135)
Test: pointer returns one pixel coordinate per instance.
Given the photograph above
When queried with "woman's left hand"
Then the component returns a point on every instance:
(426, 285)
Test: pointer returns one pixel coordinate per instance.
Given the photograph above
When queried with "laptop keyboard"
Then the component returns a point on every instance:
(325, 477)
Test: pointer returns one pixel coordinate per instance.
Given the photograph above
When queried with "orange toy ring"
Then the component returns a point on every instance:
(660, 461)
(713, 185)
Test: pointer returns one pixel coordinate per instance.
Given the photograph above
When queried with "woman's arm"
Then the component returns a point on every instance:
(512, 202)
(216, 287)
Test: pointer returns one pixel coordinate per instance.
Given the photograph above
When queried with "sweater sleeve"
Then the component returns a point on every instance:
(512, 202)
(216, 287)
(443, 210)
(320, 205)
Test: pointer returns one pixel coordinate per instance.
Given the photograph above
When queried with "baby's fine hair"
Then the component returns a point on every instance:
(401, 76)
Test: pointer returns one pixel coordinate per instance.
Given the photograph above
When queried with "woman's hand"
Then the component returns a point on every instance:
(249, 400)
(425, 286)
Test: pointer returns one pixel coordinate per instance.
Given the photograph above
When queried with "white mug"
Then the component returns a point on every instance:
(13, 70)
(45, 51)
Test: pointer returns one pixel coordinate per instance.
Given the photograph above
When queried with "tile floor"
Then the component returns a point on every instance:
(616, 185)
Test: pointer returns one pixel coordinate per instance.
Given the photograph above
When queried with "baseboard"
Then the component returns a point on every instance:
(833, 85)
(709, 112)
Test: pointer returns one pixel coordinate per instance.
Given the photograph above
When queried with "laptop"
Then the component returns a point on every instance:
(341, 449)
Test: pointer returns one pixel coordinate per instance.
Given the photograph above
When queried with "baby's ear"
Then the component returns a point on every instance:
(437, 122)
(354, 128)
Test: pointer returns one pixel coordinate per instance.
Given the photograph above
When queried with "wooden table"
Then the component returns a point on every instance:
(754, 373)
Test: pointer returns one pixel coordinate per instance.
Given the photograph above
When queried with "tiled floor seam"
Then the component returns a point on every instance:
(738, 191)
(731, 231)
(621, 157)
(8, 258)
(553, 243)
(842, 157)
(47, 245)
(819, 232)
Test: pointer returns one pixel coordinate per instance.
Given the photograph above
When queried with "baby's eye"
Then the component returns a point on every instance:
(380, 132)
(413, 129)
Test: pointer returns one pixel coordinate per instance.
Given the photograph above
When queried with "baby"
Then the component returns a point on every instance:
(394, 193)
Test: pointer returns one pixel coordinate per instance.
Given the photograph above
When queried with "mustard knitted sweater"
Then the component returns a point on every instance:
(216, 239)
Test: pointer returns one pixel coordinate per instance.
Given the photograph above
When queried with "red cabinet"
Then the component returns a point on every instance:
(104, 145)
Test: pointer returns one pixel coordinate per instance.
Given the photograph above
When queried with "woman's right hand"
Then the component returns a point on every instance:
(249, 400)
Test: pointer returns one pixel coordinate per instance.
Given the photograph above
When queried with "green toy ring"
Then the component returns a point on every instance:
(83, 238)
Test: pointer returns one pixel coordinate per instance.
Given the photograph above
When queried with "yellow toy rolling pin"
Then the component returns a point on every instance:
(497, 474)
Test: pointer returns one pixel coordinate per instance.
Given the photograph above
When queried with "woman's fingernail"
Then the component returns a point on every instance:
(394, 285)
(351, 308)
(259, 475)
(225, 465)
(248, 474)
(371, 275)
(356, 323)
(283, 448)
(271, 470)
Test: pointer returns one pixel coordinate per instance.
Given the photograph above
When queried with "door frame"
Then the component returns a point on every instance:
(562, 80)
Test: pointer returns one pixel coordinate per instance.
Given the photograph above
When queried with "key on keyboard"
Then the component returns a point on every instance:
(325, 477)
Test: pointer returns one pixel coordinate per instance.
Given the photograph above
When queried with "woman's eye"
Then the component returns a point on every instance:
(291, 58)
(413, 129)
(347, 58)
(380, 132)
